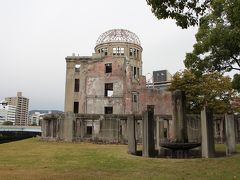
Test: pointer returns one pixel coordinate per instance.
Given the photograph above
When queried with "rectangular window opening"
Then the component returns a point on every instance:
(130, 51)
(76, 85)
(77, 68)
(122, 51)
(108, 68)
(118, 51)
(104, 51)
(89, 130)
(108, 110)
(135, 98)
(165, 132)
(108, 90)
(114, 51)
(134, 52)
(134, 72)
(75, 107)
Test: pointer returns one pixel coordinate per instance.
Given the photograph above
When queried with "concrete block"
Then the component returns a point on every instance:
(230, 134)
(132, 145)
(179, 116)
(148, 132)
(159, 134)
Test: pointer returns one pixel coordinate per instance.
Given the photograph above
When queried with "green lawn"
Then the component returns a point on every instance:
(34, 159)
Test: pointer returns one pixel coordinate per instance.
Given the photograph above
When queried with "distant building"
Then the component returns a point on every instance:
(36, 118)
(3, 115)
(21, 103)
(7, 113)
(161, 79)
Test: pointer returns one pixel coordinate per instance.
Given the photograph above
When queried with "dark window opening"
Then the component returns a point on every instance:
(134, 72)
(89, 130)
(135, 97)
(138, 73)
(76, 85)
(218, 129)
(108, 110)
(120, 130)
(108, 90)
(165, 132)
(108, 68)
(75, 107)
(104, 51)
(134, 52)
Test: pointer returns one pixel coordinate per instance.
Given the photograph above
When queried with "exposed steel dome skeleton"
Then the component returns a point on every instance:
(118, 35)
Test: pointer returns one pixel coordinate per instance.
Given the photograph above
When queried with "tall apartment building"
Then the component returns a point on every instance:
(21, 103)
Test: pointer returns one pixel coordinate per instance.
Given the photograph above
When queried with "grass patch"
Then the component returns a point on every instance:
(35, 159)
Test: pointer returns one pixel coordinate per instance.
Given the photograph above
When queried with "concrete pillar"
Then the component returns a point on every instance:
(160, 131)
(230, 134)
(68, 126)
(44, 128)
(208, 149)
(178, 116)
(160, 134)
(132, 145)
(82, 128)
(51, 128)
(148, 132)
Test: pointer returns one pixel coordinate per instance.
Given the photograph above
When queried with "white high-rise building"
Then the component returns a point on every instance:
(36, 118)
(7, 113)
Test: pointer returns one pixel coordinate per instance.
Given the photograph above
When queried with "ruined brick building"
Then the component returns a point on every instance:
(111, 81)
(106, 90)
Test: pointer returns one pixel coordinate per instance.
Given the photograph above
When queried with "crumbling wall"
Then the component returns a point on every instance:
(161, 100)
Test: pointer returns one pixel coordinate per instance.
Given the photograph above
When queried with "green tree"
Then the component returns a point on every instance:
(236, 82)
(7, 123)
(218, 39)
(185, 12)
(212, 89)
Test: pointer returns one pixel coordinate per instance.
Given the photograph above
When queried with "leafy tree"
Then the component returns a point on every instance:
(185, 12)
(7, 123)
(236, 82)
(34, 124)
(212, 89)
(218, 39)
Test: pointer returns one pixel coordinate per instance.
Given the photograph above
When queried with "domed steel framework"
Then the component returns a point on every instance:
(118, 35)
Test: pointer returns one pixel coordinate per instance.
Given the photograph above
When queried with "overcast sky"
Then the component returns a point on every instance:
(36, 36)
